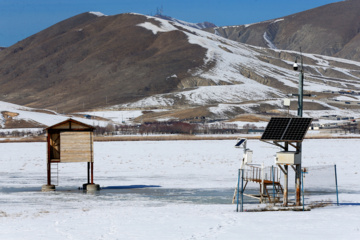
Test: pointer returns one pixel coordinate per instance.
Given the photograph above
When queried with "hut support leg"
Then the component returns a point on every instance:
(88, 173)
(92, 172)
(48, 173)
(48, 186)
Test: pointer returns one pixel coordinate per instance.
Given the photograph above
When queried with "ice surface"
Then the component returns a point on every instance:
(178, 171)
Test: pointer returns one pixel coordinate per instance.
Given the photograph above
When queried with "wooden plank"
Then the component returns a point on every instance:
(252, 196)
(76, 147)
(65, 125)
(78, 126)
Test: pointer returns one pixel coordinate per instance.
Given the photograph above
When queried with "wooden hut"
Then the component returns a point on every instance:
(70, 141)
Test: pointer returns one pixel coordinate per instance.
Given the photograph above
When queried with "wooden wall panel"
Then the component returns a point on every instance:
(65, 125)
(78, 126)
(76, 147)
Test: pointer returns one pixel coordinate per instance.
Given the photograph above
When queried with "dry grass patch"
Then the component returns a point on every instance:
(28, 139)
(187, 113)
(250, 118)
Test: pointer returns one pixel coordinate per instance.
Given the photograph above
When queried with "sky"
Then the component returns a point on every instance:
(20, 19)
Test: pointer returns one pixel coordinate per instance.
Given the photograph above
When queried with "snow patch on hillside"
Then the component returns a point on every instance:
(278, 20)
(165, 26)
(48, 119)
(155, 29)
(99, 14)
(193, 25)
(268, 41)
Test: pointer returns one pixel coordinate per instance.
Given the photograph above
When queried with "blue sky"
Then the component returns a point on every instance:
(21, 18)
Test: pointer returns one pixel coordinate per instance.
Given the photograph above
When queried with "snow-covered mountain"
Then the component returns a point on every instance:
(148, 63)
(241, 74)
(332, 30)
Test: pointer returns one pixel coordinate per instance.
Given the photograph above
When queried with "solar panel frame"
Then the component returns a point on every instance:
(286, 129)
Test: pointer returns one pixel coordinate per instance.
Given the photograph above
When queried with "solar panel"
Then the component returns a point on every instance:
(286, 129)
(238, 144)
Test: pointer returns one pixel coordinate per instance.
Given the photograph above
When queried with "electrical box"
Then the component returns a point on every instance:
(248, 156)
(291, 158)
(287, 102)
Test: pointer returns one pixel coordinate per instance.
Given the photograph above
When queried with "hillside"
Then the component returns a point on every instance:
(137, 62)
(89, 61)
(331, 30)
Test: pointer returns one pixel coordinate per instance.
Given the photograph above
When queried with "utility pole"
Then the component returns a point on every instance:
(299, 144)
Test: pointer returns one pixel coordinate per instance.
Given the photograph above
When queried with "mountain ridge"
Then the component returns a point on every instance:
(133, 61)
(323, 30)
(202, 25)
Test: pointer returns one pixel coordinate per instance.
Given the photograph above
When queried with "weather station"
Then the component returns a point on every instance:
(286, 132)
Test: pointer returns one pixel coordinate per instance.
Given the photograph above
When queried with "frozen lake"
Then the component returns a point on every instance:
(167, 190)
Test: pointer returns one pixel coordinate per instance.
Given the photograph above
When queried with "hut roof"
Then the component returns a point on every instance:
(77, 125)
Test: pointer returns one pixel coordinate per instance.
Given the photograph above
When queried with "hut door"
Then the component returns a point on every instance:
(55, 147)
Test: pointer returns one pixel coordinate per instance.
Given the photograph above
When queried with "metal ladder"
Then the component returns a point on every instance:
(55, 174)
(278, 190)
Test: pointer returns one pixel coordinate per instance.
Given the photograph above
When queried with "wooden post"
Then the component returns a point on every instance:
(88, 172)
(48, 173)
(92, 172)
(48, 160)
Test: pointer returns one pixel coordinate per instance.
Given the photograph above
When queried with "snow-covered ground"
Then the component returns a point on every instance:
(186, 192)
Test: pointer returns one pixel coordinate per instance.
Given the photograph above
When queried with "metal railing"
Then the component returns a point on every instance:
(259, 174)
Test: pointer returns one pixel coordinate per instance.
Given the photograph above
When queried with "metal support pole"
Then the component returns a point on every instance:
(286, 179)
(300, 114)
(298, 185)
(337, 192)
(298, 179)
(301, 92)
(262, 186)
(242, 191)
(302, 189)
(273, 178)
(286, 186)
(237, 195)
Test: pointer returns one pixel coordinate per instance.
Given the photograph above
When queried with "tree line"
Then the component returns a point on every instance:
(173, 127)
